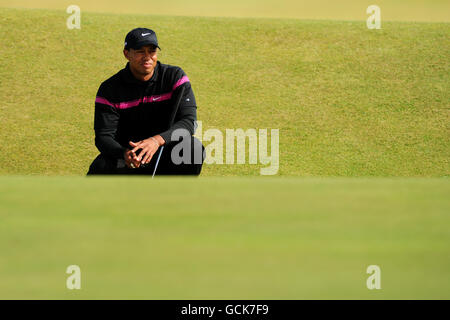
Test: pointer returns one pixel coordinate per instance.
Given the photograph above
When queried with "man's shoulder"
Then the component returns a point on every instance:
(110, 86)
(113, 80)
(170, 71)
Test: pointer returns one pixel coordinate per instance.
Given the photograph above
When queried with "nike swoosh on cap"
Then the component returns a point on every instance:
(145, 34)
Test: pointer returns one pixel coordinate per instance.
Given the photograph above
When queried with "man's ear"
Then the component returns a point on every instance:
(126, 53)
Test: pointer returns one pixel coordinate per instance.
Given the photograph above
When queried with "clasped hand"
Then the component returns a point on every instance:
(148, 148)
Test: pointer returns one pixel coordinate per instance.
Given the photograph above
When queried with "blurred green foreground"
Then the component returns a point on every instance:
(228, 238)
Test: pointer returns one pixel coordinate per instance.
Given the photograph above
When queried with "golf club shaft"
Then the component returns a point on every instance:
(171, 120)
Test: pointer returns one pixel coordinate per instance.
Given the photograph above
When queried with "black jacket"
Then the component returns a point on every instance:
(127, 109)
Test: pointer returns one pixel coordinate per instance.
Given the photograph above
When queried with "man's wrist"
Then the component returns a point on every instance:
(159, 140)
(155, 141)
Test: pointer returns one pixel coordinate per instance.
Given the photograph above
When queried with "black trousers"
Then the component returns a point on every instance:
(103, 165)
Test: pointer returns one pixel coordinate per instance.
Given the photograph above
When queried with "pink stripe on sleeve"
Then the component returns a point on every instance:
(103, 101)
(180, 82)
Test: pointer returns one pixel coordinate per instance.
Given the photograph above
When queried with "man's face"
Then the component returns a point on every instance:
(142, 60)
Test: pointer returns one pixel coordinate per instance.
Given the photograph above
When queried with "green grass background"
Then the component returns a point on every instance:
(348, 101)
(216, 238)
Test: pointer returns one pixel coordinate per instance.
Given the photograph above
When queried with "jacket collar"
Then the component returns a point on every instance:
(128, 76)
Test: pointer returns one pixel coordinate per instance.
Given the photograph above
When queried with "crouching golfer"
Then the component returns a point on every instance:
(146, 107)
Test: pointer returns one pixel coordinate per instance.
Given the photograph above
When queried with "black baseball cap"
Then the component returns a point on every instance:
(139, 37)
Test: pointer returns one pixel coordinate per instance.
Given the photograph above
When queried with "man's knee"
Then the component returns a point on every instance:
(199, 151)
(198, 154)
(185, 157)
(101, 165)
